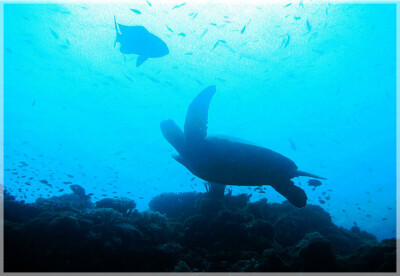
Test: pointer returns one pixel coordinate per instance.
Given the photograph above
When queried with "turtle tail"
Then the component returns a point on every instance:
(300, 173)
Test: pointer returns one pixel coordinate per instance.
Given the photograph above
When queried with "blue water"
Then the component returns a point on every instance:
(325, 99)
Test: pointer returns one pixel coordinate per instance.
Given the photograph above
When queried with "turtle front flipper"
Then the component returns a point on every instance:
(292, 193)
(197, 115)
(173, 134)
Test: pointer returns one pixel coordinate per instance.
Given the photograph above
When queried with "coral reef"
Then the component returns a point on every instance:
(184, 232)
(123, 205)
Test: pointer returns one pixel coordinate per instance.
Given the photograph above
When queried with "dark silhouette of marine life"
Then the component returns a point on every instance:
(178, 6)
(314, 183)
(139, 41)
(227, 162)
(54, 34)
(78, 190)
(292, 144)
(136, 11)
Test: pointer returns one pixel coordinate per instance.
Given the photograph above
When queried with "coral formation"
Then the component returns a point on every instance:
(185, 232)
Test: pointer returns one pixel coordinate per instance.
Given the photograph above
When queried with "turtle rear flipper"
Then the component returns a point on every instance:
(292, 193)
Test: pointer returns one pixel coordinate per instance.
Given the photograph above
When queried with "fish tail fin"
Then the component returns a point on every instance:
(300, 173)
(116, 30)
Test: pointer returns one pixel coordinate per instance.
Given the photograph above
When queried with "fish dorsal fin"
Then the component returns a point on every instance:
(140, 60)
(197, 115)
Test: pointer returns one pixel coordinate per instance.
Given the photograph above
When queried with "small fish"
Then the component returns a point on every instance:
(169, 29)
(287, 41)
(178, 6)
(136, 11)
(384, 219)
(148, 3)
(321, 201)
(199, 82)
(67, 182)
(182, 34)
(292, 144)
(213, 24)
(283, 42)
(126, 76)
(215, 45)
(204, 33)
(55, 35)
(194, 16)
(321, 53)
(71, 176)
(244, 28)
(61, 190)
(288, 5)
(153, 79)
(44, 181)
(193, 178)
(297, 17)
(308, 26)
(220, 79)
(314, 182)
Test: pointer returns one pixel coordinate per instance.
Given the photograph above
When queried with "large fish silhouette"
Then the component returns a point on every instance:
(139, 41)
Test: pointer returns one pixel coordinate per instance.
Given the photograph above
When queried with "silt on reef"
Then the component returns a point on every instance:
(185, 232)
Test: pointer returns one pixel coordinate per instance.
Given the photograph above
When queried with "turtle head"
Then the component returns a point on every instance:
(173, 134)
